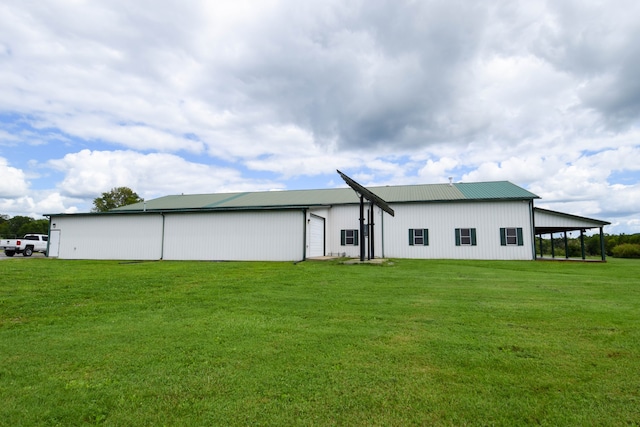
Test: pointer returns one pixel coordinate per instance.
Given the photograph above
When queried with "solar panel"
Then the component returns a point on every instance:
(367, 194)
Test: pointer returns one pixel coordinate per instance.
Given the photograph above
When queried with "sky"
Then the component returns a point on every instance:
(170, 97)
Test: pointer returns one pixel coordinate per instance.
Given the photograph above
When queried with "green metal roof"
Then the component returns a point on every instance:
(478, 191)
(493, 190)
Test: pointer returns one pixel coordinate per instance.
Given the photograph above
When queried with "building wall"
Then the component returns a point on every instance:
(284, 235)
(240, 235)
(441, 219)
(126, 237)
(391, 235)
(347, 217)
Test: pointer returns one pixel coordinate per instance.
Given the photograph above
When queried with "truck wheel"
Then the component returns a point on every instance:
(28, 251)
(9, 253)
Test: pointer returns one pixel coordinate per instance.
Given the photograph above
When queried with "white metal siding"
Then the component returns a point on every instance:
(280, 235)
(441, 219)
(242, 236)
(545, 219)
(348, 218)
(127, 237)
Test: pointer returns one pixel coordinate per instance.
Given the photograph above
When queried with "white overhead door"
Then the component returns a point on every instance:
(316, 236)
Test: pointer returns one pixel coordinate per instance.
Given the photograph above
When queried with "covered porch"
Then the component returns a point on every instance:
(548, 222)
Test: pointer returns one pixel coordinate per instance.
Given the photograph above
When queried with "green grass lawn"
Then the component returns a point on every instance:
(419, 342)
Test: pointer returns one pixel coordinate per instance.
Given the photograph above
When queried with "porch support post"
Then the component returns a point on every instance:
(602, 244)
(566, 245)
(553, 250)
(540, 240)
(582, 243)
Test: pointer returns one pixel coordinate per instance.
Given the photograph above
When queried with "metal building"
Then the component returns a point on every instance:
(486, 220)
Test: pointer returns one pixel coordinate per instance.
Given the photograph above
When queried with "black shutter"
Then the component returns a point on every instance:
(519, 231)
(503, 237)
(473, 237)
(457, 237)
(411, 237)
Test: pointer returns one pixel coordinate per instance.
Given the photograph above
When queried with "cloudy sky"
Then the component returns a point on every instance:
(170, 97)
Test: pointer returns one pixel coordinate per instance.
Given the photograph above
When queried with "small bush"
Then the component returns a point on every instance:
(626, 250)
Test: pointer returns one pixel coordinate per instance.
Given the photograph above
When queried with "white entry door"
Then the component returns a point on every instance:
(54, 243)
(316, 236)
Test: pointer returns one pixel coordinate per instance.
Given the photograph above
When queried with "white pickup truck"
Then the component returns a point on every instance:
(26, 246)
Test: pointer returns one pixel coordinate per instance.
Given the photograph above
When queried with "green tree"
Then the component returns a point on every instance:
(592, 244)
(35, 226)
(118, 196)
(16, 225)
(4, 225)
(627, 250)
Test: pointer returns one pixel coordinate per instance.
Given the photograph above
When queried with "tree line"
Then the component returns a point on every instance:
(18, 226)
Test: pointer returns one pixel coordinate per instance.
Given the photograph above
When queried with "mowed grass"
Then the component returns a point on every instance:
(418, 342)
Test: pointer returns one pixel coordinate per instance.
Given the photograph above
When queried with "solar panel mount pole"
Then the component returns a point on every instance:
(362, 228)
(371, 227)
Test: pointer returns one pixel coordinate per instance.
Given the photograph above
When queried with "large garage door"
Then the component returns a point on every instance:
(316, 243)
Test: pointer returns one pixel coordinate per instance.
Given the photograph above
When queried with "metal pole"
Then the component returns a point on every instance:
(540, 240)
(368, 234)
(382, 231)
(566, 246)
(602, 253)
(371, 225)
(582, 243)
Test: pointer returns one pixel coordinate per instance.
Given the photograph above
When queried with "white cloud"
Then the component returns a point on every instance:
(90, 173)
(154, 95)
(517, 169)
(438, 171)
(13, 183)
(23, 206)
(55, 203)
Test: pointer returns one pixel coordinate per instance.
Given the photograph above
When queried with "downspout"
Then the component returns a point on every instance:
(382, 230)
(304, 234)
(533, 230)
(49, 234)
(162, 242)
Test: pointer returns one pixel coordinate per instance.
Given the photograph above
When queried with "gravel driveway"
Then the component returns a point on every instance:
(35, 255)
